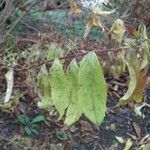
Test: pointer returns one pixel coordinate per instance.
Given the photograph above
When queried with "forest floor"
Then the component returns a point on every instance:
(120, 128)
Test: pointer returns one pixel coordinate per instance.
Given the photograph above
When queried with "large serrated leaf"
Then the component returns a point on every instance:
(93, 90)
(60, 87)
(43, 82)
(74, 110)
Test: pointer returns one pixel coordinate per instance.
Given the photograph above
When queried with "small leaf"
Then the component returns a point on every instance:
(60, 87)
(38, 119)
(22, 119)
(53, 51)
(61, 135)
(27, 130)
(34, 131)
(93, 89)
(120, 139)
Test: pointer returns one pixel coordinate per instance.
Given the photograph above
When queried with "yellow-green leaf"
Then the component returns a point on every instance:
(93, 90)
(74, 110)
(60, 87)
(43, 82)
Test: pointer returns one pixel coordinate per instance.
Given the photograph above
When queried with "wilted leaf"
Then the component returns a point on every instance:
(93, 89)
(141, 82)
(60, 87)
(117, 30)
(74, 8)
(74, 110)
(43, 82)
(92, 20)
(131, 86)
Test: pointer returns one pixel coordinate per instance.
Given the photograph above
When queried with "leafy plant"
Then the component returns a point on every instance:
(136, 58)
(29, 125)
(81, 90)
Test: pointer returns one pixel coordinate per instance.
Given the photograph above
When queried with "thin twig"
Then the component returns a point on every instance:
(78, 55)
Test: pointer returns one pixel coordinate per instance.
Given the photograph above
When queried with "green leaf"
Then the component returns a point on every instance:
(61, 135)
(74, 110)
(43, 82)
(27, 130)
(60, 87)
(92, 92)
(53, 51)
(38, 119)
(34, 131)
(22, 119)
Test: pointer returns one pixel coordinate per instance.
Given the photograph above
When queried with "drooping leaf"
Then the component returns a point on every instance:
(92, 20)
(43, 82)
(132, 83)
(60, 87)
(74, 110)
(138, 79)
(141, 82)
(145, 51)
(93, 90)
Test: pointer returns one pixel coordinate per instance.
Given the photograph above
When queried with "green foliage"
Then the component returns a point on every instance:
(61, 135)
(53, 51)
(73, 112)
(81, 90)
(60, 87)
(93, 90)
(29, 125)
